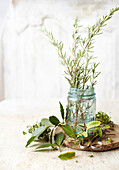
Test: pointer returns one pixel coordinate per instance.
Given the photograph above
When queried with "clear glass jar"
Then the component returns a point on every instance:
(81, 108)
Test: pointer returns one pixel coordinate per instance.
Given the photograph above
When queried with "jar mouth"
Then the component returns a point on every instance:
(92, 89)
(75, 92)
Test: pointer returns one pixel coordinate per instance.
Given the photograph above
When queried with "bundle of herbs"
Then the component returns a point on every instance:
(80, 69)
(51, 132)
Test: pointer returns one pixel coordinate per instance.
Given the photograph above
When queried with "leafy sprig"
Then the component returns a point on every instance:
(45, 130)
(104, 119)
(80, 70)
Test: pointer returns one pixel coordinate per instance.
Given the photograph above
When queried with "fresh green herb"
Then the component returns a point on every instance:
(24, 133)
(54, 120)
(79, 65)
(58, 139)
(30, 140)
(80, 69)
(45, 146)
(91, 125)
(91, 156)
(61, 110)
(80, 72)
(76, 161)
(109, 140)
(32, 128)
(68, 131)
(93, 131)
(67, 155)
(46, 122)
(104, 119)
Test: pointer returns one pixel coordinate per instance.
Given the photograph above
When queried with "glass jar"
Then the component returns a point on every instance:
(81, 108)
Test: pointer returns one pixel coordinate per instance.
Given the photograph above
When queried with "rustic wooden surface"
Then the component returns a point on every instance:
(105, 145)
(15, 116)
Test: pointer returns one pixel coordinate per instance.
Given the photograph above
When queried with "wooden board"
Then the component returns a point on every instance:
(105, 145)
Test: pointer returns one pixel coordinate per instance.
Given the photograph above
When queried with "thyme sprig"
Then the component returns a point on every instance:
(104, 119)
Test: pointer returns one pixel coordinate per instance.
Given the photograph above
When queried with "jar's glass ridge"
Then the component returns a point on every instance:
(81, 108)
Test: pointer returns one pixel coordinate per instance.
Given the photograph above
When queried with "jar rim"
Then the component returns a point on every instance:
(82, 90)
(83, 94)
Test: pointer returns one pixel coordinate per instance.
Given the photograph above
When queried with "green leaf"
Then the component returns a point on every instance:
(97, 75)
(85, 134)
(79, 134)
(100, 132)
(69, 81)
(24, 133)
(30, 140)
(106, 127)
(51, 135)
(61, 110)
(54, 120)
(59, 138)
(82, 134)
(46, 145)
(46, 122)
(67, 155)
(39, 131)
(109, 140)
(36, 133)
(68, 131)
(67, 113)
(93, 124)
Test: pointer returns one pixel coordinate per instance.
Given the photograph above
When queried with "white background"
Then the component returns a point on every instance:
(30, 67)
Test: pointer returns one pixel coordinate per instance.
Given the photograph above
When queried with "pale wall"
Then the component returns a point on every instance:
(4, 7)
(31, 67)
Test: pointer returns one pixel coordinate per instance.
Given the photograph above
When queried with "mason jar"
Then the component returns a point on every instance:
(81, 108)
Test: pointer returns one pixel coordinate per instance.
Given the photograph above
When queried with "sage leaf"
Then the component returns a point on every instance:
(30, 140)
(46, 122)
(59, 138)
(68, 131)
(106, 127)
(61, 110)
(54, 120)
(67, 155)
(36, 133)
(46, 145)
(39, 131)
(93, 124)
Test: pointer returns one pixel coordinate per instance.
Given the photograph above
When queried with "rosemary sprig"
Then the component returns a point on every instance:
(80, 70)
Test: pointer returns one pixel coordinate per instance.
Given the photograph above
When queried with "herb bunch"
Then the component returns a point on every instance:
(80, 68)
(45, 131)
(104, 119)
(51, 132)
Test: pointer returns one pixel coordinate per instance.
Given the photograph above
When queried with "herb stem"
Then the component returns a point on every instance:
(66, 64)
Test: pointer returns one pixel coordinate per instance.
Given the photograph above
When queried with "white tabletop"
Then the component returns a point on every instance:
(15, 115)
